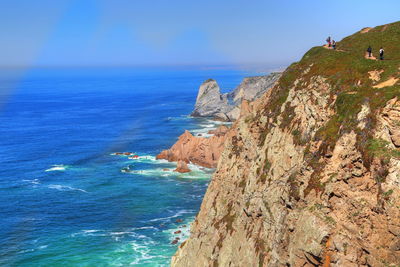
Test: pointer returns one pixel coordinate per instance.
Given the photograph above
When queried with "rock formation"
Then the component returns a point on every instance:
(211, 103)
(310, 175)
(182, 167)
(197, 150)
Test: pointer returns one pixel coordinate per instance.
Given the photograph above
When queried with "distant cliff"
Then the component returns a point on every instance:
(311, 174)
(211, 103)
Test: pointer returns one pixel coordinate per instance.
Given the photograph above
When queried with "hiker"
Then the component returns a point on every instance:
(328, 40)
(333, 44)
(369, 50)
(381, 52)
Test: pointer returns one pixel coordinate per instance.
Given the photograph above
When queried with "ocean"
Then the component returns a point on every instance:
(65, 200)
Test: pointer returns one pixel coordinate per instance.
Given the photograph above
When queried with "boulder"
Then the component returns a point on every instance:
(182, 167)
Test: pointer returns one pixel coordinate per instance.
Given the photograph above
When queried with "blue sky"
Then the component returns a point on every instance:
(177, 32)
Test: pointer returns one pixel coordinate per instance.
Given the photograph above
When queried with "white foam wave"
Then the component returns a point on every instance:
(178, 214)
(148, 159)
(181, 232)
(34, 181)
(142, 252)
(197, 172)
(65, 188)
(144, 228)
(91, 231)
(180, 118)
(57, 168)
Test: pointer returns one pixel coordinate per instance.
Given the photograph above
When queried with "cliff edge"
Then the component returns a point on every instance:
(311, 175)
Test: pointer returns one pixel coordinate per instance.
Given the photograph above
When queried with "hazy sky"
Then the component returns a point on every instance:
(177, 32)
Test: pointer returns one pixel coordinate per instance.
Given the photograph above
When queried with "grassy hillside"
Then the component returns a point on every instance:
(347, 71)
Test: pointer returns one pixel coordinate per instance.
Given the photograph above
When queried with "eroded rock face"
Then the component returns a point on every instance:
(198, 150)
(210, 101)
(252, 88)
(226, 107)
(264, 206)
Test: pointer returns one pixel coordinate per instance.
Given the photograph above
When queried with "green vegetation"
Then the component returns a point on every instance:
(379, 148)
(346, 71)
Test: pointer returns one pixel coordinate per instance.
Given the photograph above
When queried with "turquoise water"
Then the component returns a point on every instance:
(63, 198)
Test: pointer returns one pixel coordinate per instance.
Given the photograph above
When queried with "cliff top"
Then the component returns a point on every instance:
(354, 81)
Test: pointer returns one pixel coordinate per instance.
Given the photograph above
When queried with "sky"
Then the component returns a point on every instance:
(177, 32)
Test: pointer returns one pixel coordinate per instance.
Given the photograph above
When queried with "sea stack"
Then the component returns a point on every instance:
(226, 107)
(210, 101)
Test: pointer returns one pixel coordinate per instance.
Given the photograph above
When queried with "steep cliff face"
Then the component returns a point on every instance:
(211, 103)
(311, 175)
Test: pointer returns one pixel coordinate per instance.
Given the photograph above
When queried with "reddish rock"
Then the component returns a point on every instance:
(165, 170)
(174, 242)
(179, 220)
(220, 131)
(178, 232)
(198, 150)
(182, 167)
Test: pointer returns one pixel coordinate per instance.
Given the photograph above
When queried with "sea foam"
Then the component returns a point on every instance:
(65, 188)
(57, 168)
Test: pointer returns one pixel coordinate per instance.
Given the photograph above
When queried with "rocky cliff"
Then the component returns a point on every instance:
(211, 103)
(311, 174)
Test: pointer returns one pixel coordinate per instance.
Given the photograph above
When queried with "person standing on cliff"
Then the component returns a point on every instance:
(328, 40)
(381, 52)
(334, 44)
(369, 50)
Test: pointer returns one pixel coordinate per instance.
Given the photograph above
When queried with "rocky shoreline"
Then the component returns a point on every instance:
(210, 103)
(205, 151)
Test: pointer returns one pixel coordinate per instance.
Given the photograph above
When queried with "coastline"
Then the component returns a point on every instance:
(84, 198)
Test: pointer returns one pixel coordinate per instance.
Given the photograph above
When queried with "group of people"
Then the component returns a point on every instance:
(331, 42)
(381, 52)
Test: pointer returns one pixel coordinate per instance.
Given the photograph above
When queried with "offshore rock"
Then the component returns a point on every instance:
(182, 167)
(226, 107)
(210, 101)
(197, 150)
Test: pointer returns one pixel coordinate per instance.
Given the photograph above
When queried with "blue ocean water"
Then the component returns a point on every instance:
(63, 198)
